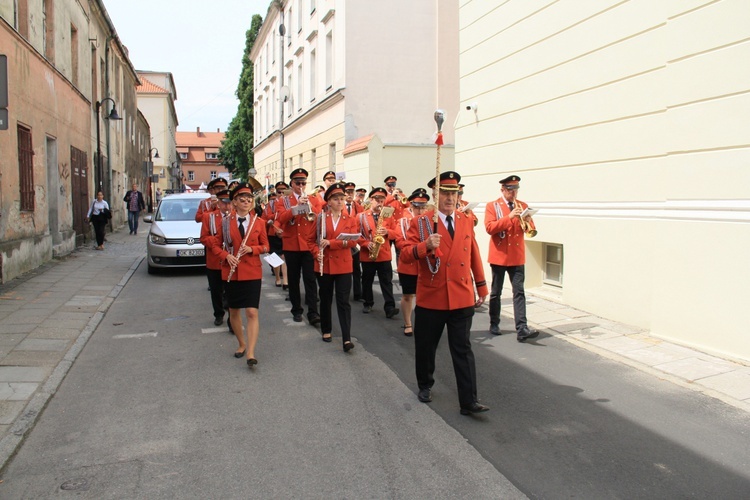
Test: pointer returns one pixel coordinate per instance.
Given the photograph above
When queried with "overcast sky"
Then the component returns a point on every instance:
(199, 42)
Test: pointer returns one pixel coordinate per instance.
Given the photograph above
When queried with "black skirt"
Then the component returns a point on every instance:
(275, 243)
(408, 283)
(242, 294)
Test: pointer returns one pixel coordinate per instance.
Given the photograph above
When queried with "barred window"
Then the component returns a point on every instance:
(26, 168)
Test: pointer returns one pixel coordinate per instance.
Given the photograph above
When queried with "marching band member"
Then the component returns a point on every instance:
(371, 225)
(274, 241)
(407, 271)
(394, 196)
(333, 263)
(212, 221)
(502, 221)
(210, 203)
(353, 209)
(276, 230)
(360, 196)
(449, 264)
(244, 239)
(462, 204)
(299, 261)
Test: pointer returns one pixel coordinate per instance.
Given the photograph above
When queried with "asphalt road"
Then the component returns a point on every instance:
(155, 408)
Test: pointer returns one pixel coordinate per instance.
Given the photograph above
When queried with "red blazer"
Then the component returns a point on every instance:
(296, 227)
(398, 207)
(507, 246)
(203, 207)
(367, 227)
(269, 216)
(250, 264)
(470, 213)
(337, 257)
(452, 287)
(402, 231)
(356, 209)
(211, 226)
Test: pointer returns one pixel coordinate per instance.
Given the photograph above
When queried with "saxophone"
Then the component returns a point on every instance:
(385, 213)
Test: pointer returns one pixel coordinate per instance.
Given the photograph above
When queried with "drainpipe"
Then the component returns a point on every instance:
(106, 92)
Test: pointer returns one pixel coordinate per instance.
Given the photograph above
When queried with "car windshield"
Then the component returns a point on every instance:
(177, 209)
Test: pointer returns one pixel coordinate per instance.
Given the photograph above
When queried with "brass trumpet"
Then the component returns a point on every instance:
(528, 231)
(399, 197)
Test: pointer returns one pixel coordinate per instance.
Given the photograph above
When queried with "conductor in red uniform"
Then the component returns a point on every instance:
(445, 292)
(502, 220)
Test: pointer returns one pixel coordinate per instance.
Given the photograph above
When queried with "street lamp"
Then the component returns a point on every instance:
(111, 116)
(149, 176)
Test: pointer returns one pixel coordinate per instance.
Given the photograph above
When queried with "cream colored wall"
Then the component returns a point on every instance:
(627, 123)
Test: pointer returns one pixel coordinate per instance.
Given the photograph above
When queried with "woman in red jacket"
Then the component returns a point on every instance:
(407, 272)
(333, 262)
(245, 239)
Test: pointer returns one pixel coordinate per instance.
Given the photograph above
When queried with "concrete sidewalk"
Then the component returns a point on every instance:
(47, 316)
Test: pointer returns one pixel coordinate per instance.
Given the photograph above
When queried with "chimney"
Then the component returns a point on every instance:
(218, 130)
(198, 132)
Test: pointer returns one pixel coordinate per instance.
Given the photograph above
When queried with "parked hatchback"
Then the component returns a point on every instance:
(174, 237)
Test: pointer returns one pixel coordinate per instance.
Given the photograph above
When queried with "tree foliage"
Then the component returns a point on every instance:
(236, 152)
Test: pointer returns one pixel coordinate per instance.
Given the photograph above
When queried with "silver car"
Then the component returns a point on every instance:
(174, 237)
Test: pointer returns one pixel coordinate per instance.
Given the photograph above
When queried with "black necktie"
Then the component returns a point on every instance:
(349, 208)
(375, 218)
(449, 219)
(242, 226)
(511, 205)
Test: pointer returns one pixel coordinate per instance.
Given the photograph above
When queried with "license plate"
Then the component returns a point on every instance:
(191, 253)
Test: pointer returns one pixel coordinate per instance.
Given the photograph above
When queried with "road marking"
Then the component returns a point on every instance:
(135, 335)
(214, 330)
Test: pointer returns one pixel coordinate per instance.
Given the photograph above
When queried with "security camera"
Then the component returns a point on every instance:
(472, 107)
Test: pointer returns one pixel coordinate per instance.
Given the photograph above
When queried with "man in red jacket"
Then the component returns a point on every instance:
(212, 221)
(449, 265)
(502, 221)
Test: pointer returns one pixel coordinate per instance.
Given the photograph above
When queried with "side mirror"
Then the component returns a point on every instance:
(148, 219)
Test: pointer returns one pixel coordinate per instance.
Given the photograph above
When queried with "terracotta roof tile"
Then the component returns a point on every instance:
(196, 139)
(358, 144)
(146, 87)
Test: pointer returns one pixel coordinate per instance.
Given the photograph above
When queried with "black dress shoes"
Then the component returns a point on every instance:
(238, 355)
(327, 339)
(495, 329)
(425, 395)
(314, 320)
(474, 408)
(251, 362)
(526, 334)
(218, 321)
(391, 313)
(298, 318)
(367, 309)
(348, 346)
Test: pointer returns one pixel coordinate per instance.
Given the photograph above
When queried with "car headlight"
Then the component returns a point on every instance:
(158, 240)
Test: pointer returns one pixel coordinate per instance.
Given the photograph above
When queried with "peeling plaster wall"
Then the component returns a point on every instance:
(44, 101)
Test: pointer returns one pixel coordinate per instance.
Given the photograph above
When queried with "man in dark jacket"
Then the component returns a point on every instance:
(134, 203)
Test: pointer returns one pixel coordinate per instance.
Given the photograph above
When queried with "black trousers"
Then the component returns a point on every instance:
(356, 276)
(517, 276)
(217, 291)
(100, 228)
(385, 277)
(428, 328)
(301, 264)
(342, 283)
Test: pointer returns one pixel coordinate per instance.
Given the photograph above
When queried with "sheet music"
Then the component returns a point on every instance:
(349, 236)
(529, 211)
(273, 259)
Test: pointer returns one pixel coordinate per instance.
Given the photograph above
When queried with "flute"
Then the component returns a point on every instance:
(320, 260)
(241, 250)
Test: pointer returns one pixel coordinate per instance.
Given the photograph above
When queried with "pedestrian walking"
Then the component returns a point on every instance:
(158, 196)
(99, 214)
(134, 203)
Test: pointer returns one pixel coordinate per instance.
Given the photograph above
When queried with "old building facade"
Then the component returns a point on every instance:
(199, 157)
(340, 73)
(626, 122)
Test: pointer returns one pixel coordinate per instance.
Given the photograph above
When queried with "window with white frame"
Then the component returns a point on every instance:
(191, 175)
(299, 16)
(213, 174)
(313, 86)
(553, 264)
(212, 156)
(183, 156)
(332, 156)
(329, 60)
(312, 7)
(299, 87)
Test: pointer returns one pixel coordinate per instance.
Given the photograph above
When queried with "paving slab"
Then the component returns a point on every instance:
(23, 374)
(42, 345)
(736, 383)
(620, 344)
(17, 391)
(693, 369)
(54, 333)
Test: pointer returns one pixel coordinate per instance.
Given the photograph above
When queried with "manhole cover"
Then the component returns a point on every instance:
(77, 484)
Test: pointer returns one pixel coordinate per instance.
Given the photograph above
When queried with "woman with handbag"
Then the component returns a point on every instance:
(99, 215)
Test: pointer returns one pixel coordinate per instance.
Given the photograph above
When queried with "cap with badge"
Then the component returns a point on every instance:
(281, 184)
(448, 181)
(329, 175)
(224, 195)
(391, 179)
(241, 188)
(350, 185)
(361, 190)
(298, 174)
(215, 181)
(419, 197)
(511, 182)
(378, 191)
(334, 189)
